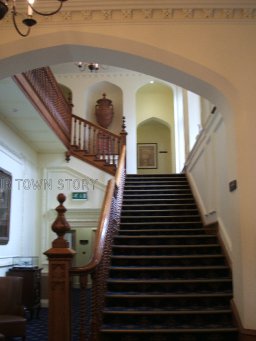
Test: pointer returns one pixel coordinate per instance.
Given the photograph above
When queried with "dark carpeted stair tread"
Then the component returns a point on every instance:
(168, 277)
(163, 216)
(150, 210)
(169, 268)
(151, 185)
(167, 256)
(156, 191)
(175, 260)
(171, 240)
(169, 199)
(175, 236)
(164, 312)
(162, 206)
(166, 231)
(202, 330)
(188, 224)
(155, 176)
(165, 295)
(152, 195)
(176, 281)
(161, 246)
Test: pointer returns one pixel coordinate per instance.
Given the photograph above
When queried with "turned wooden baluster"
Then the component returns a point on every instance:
(79, 134)
(74, 132)
(60, 259)
(84, 147)
(89, 140)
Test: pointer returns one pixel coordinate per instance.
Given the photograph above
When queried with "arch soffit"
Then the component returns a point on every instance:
(55, 48)
(159, 85)
(154, 120)
(100, 83)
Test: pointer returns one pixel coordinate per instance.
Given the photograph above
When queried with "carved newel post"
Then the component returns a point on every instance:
(59, 281)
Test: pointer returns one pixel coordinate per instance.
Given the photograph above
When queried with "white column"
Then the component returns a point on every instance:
(129, 111)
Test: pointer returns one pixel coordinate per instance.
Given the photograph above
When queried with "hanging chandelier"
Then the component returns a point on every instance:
(29, 21)
(82, 66)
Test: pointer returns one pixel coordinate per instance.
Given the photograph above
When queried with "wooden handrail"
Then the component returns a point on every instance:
(121, 165)
(43, 91)
(103, 220)
(99, 264)
(100, 233)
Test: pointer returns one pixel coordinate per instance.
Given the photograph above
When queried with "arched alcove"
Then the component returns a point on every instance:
(95, 92)
(156, 132)
(155, 123)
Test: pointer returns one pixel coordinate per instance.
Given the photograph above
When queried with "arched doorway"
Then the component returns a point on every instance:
(156, 133)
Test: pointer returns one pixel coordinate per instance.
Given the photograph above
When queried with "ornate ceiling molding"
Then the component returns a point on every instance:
(145, 15)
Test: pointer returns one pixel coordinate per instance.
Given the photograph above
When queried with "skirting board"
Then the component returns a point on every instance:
(244, 334)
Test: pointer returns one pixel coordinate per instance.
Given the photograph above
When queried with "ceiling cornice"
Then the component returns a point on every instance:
(80, 12)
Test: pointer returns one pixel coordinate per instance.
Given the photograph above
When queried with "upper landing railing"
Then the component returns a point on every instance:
(82, 138)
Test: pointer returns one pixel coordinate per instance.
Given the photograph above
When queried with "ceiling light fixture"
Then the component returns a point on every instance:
(28, 21)
(90, 66)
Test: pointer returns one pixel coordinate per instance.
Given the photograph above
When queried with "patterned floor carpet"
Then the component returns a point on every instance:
(37, 329)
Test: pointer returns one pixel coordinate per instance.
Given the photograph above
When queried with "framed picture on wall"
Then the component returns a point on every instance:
(146, 155)
(5, 205)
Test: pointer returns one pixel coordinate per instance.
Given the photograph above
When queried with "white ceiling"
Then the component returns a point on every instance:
(18, 113)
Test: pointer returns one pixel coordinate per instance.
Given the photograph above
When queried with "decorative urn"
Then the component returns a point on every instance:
(104, 111)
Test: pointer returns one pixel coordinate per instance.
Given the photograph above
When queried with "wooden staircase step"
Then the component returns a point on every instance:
(168, 268)
(168, 295)
(165, 249)
(166, 206)
(164, 240)
(161, 218)
(170, 281)
(175, 236)
(162, 224)
(168, 277)
(168, 256)
(165, 232)
(167, 195)
(165, 312)
(144, 200)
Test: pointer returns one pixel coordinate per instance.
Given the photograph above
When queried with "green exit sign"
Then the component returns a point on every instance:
(79, 196)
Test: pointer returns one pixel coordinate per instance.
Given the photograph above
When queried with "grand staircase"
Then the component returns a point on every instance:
(168, 279)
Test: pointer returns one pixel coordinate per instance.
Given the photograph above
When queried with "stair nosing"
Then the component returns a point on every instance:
(165, 246)
(161, 268)
(172, 236)
(167, 257)
(166, 312)
(146, 280)
(172, 330)
(112, 294)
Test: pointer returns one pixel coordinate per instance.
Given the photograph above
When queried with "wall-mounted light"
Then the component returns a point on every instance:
(29, 21)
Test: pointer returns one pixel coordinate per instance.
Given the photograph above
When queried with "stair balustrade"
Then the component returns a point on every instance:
(44, 92)
(99, 264)
(89, 140)
(83, 139)
(61, 271)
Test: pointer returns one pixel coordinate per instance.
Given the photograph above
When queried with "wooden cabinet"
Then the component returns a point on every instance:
(31, 294)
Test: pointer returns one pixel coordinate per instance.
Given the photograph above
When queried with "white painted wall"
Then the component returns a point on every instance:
(19, 159)
(68, 177)
(207, 169)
